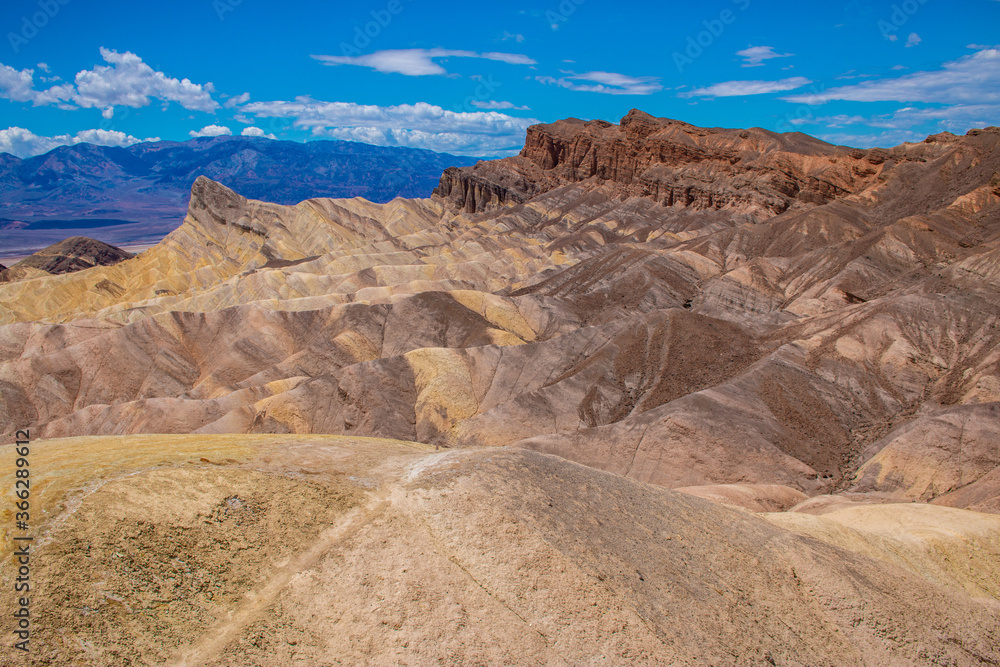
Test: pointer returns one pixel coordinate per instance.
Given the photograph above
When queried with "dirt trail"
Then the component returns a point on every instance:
(258, 600)
(314, 550)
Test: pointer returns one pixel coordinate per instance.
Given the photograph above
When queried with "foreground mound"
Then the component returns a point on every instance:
(679, 305)
(271, 550)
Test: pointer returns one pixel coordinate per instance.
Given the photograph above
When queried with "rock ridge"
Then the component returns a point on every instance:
(754, 171)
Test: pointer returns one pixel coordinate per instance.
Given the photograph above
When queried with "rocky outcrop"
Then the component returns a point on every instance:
(473, 193)
(754, 171)
(68, 256)
(75, 254)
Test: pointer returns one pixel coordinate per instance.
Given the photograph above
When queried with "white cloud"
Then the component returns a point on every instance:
(912, 40)
(442, 142)
(131, 82)
(756, 55)
(16, 85)
(906, 124)
(493, 104)
(958, 118)
(884, 139)
(25, 143)
(237, 100)
(44, 67)
(256, 132)
(517, 37)
(420, 125)
(418, 62)
(609, 83)
(852, 74)
(125, 81)
(741, 88)
(211, 131)
(839, 120)
(972, 79)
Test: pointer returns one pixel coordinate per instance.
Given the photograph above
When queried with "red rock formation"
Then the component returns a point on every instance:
(673, 163)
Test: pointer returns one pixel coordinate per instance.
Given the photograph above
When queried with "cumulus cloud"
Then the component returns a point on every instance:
(741, 88)
(418, 62)
(913, 40)
(609, 83)
(755, 56)
(131, 82)
(256, 132)
(420, 125)
(25, 143)
(211, 131)
(125, 81)
(972, 79)
(17, 85)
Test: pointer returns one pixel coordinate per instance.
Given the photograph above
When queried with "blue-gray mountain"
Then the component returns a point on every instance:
(140, 193)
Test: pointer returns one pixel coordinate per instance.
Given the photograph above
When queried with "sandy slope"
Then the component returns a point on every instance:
(273, 550)
(804, 339)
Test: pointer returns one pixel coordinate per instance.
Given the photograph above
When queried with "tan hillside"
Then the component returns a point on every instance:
(265, 550)
(645, 393)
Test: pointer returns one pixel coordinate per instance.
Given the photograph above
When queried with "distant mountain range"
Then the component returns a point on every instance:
(140, 193)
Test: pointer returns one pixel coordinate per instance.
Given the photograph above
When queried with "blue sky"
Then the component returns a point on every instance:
(469, 77)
